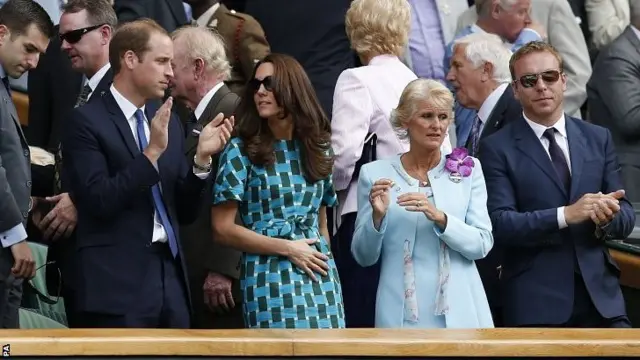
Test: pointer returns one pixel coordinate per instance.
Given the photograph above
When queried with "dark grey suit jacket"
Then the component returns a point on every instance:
(202, 254)
(15, 189)
(15, 171)
(614, 102)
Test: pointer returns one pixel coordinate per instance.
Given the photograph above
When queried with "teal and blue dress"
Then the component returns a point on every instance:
(277, 201)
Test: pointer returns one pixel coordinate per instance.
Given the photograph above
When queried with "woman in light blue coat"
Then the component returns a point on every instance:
(424, 214)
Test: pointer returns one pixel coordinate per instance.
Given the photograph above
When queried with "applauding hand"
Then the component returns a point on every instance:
(419, 202)
(379, 199)
(214, 136)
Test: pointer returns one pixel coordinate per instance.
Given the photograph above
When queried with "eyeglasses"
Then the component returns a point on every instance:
(549, 77)
(267, 82)
(74, 36)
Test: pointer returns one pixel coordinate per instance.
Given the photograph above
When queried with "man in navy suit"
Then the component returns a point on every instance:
(555, 196)
(132, 185)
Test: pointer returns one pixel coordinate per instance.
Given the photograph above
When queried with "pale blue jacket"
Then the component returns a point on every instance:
(467, 235)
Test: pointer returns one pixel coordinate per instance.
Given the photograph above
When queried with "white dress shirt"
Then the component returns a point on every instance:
(561, 139)
(202, 105)
(129, 110)
(96, 78)
(18, 233)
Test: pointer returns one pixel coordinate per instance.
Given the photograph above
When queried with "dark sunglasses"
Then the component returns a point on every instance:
(267, 82)
(549, 77)
(74, 36)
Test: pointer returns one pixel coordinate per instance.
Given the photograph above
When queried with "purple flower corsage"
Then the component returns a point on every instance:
(459, 164)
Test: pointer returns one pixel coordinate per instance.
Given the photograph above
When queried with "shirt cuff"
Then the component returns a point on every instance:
(13, 236)
(202, 175)
(562, 222)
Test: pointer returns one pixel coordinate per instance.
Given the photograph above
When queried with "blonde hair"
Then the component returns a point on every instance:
(378, 27)
(202, 43)
(416, 91)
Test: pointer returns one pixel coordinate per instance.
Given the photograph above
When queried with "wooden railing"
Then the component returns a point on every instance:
(21, 101)
(325, 343)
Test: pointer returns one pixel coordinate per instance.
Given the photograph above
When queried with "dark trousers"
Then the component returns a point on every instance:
(10, 292)
(585, 314)
(161, 301)
(359, 284)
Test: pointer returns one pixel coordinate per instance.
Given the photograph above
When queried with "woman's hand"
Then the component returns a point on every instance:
(307, 258)
(379, 198)
(418, 202)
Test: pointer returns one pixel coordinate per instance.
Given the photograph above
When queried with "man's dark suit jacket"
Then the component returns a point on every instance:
(111, 183)
(506, 110)
(313, 32)
(53, 89)
(62, 251)
(614, 102)
(169, 14)
(203, 255)
(538, 267)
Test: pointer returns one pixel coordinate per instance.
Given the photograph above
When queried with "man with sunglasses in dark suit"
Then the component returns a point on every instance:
(555, 196)
(85, 29)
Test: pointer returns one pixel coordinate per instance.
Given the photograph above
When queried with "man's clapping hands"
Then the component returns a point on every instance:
(599, 208)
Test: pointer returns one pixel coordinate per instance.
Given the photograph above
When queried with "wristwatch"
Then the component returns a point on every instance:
(205, 168)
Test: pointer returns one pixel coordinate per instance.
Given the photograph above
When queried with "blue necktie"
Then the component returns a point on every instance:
(155, 189)
(475, 135)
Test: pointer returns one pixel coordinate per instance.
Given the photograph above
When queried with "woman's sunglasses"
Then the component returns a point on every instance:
(267, 82)
(74, 36)
(549, 77)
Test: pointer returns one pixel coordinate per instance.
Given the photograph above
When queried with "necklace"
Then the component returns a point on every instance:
(422, 177)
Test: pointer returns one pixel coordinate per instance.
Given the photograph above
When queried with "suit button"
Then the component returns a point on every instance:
(26, 153)
(29, 183)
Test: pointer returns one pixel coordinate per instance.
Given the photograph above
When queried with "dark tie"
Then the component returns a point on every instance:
(476, 130)
(155, 189)
(558, 159)
(81, 100)
(192, 124)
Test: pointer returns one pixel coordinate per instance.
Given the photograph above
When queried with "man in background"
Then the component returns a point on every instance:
(313, 32)
(614, 99)
(200, 70)
(170, 14)
(480, 76)
(25, 29)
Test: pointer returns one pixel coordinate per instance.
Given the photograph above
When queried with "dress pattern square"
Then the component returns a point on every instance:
(277, 201)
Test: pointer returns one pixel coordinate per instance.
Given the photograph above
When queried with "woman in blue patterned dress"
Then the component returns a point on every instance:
(277, 175)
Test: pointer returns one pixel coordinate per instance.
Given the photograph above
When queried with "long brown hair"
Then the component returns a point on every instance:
(293, 92)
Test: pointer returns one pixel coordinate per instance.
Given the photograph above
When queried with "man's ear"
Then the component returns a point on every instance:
(5, 34)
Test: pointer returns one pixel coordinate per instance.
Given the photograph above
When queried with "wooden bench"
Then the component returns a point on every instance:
(21, 101)
(324, 343)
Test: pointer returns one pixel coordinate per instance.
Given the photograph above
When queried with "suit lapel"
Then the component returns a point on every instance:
(116, 115)
(633, 39)
(530, 146)
(207, 115)
(577, 151)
